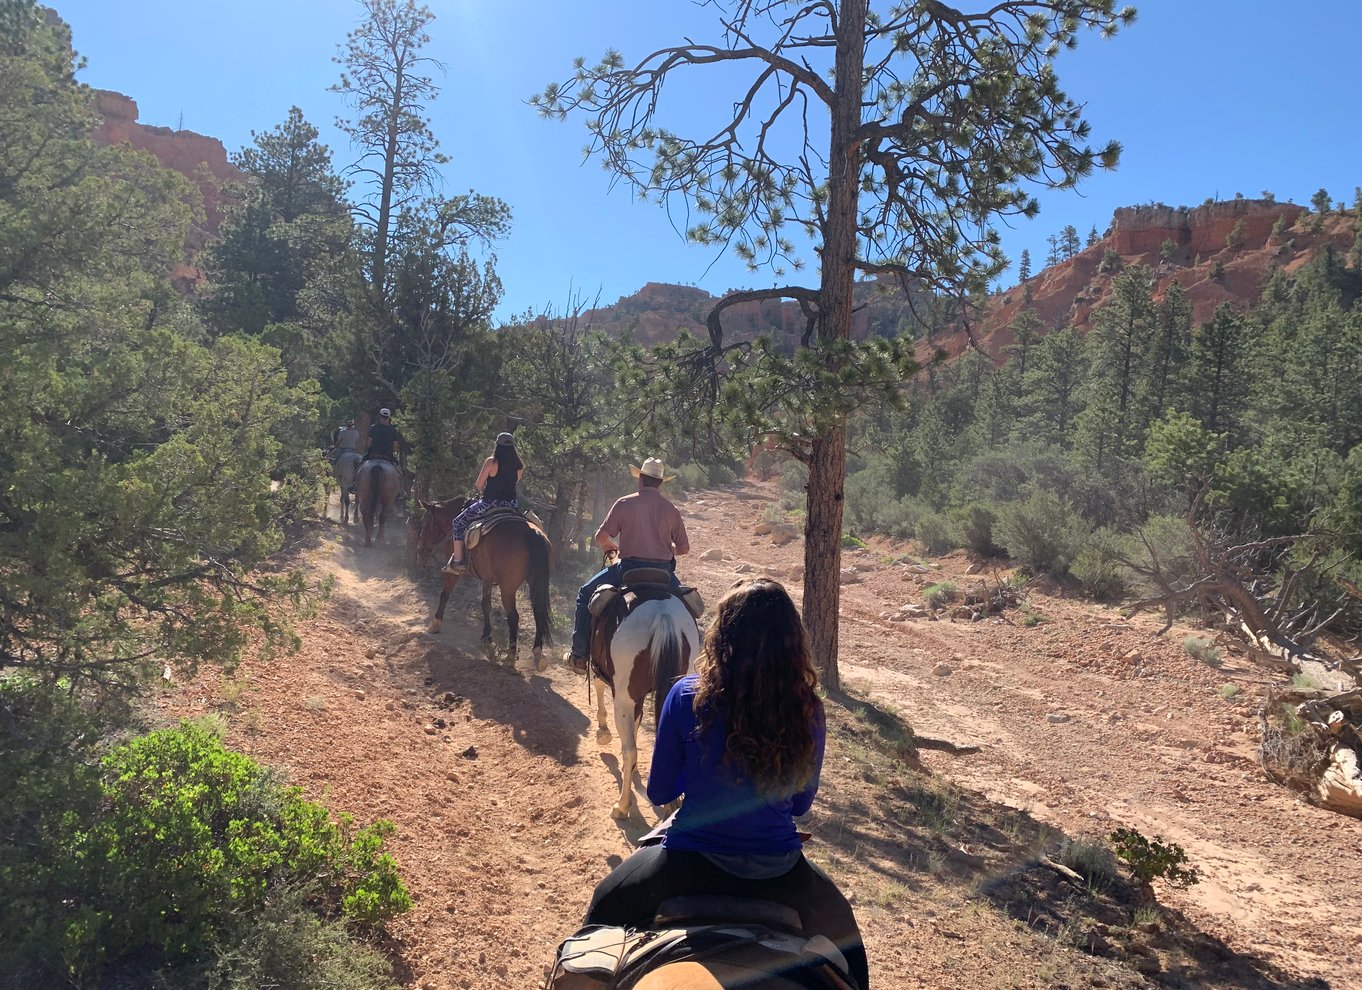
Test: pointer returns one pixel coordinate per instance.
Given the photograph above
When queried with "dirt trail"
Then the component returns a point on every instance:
(501, 796)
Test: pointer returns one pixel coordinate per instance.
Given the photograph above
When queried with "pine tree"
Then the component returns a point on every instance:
(1122, 333)
(1093, 236)
(1024, 266)
(1053, 256)
(1163, 388)
(1217, 382)
(896, 88)
(1068, 241)
(291, 230)
(1050, 397)
(1025, 331)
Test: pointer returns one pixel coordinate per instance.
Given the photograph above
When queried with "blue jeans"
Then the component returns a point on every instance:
(581, 626)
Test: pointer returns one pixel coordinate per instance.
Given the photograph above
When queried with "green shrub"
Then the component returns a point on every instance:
(850, 541)
(1150, 859)
(935, 533)
(1090, 859)
(794, 480)
(1042, 533)
(1096, 570)
(190, 843)
(1203, 650)
(939, 595)
(974, 524)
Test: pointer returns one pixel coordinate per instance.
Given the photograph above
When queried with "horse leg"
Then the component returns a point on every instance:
(486, 612)
(627, 726)
(446, 586)
(602, 724)
(512, 623)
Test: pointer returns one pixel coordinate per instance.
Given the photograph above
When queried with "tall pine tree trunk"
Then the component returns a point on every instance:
(823, 551)
(827, 459)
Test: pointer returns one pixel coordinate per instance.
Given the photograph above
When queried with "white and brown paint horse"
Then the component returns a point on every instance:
(639, 647)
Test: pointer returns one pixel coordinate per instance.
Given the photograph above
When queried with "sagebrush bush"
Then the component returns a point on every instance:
(1096, 569)
(1089, 858)
(935, 532)
(940, 595)
(974, 525)
(1042, 533)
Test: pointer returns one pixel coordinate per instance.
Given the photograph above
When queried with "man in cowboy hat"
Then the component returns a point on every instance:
(644, 530)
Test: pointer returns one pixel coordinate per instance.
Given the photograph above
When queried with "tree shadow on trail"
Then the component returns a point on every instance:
(891, 826)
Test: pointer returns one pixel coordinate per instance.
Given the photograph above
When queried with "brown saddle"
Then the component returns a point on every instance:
(484, 524)
(704, 942)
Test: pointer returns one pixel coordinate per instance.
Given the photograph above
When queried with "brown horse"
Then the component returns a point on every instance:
(376, 486)
(508, 555)
(638, 650)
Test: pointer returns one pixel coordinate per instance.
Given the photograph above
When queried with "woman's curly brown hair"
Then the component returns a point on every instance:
(755, 676)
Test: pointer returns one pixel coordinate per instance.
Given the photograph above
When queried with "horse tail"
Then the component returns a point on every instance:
(376, 479)
(541, 563)
(666, 647)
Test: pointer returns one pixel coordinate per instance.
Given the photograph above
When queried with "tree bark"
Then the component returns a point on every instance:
(827, 459)
(823, 552)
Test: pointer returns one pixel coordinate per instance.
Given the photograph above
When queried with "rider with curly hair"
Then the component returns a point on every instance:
(743, 739)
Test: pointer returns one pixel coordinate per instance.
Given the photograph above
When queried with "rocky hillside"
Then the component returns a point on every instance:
(201, 159)
(1219, 252)
(659, 311)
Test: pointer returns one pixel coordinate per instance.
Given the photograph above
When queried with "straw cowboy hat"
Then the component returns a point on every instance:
(653, 468)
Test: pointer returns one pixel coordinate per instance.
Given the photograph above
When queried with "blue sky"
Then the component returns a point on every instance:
(1209, 98)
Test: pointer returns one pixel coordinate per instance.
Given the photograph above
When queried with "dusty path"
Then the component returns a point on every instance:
(501, 796)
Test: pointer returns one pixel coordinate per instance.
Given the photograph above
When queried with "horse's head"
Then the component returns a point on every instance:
(436, 520)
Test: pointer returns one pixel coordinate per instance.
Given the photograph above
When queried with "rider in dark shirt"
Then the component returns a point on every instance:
(384, 439)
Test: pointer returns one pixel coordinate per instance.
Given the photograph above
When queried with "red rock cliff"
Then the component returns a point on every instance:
(201, 159)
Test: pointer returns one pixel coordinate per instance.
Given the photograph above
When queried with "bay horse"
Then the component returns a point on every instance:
(639, 647)
(343, 469)
(376, 486)
(511, 553)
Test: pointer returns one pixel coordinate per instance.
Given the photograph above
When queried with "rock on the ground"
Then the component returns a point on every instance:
(849, 576)
(712, 554)
(743, 568)
(1056, 718)
(942, 670)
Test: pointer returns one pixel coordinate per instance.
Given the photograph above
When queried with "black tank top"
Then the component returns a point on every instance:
(501, 486)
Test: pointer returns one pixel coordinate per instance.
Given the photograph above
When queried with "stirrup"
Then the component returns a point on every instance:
(455, 567)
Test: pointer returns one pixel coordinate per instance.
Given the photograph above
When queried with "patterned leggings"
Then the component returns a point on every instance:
(474, 510)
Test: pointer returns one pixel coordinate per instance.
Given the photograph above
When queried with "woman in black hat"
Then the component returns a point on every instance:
(496, 486)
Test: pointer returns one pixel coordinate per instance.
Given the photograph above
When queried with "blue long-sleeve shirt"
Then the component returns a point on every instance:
(721, 814)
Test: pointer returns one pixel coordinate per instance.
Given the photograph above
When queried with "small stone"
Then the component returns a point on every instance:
(743, 568)
(429, 729)
(942, 670)
(452, 777)
(359, 695)
(1056, 718)
(713, 554)
(371, 652)
(471, 753)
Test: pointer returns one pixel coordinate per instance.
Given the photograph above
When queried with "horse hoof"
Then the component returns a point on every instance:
(602, 737)
(618, 813)
(436, 626)
(541, 661)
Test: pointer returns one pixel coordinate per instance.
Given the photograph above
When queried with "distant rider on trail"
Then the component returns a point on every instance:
(386, 443)
(345, 438)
